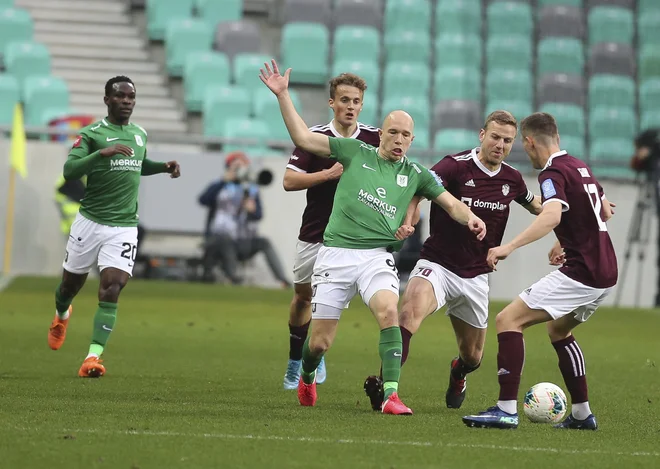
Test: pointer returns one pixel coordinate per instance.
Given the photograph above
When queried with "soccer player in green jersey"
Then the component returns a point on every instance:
(112, 154)
(370, 204)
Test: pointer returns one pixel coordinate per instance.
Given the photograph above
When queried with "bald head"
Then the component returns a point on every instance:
(399, 119)
(396, 135)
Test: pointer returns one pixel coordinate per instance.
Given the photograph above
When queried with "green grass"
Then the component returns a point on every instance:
(195, 373)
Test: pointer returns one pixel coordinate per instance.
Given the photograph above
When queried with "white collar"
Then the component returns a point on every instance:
(481, 166)
(553, 156)
(333, 129)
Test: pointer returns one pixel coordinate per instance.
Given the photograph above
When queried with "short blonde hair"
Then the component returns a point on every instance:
(502, 118)
(348, 79)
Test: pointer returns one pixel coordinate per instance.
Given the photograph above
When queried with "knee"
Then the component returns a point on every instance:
(388, 316)
(319, 344)
(472, 354)
(109, 291)
(556, 333)
(302, 301)
(411, 316)
(503, 322)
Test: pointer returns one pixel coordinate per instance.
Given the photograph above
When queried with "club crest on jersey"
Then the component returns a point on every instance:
(138, 140)
(402, 180)
(505, 189)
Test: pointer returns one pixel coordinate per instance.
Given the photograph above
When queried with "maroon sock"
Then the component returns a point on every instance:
(461, 369)
(571, 364)
(406, 335)
(510, 361)
(297, 336)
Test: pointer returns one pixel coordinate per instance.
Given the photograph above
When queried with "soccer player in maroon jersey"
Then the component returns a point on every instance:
(575, 207)
(452, 268)
(319, 176)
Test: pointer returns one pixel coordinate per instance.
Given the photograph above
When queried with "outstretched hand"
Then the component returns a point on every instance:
(273, 80)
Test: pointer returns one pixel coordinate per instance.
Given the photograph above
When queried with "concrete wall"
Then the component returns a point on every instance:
(171, 205)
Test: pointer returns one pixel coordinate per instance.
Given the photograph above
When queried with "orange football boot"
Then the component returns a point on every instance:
(91, 368)
(57, 331)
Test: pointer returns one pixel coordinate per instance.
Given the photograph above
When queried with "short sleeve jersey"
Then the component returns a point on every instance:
(590, 256)
(111, 195)
(489, 195)
(373, 195)
(319, 198)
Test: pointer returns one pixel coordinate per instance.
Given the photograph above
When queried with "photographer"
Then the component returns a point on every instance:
(231, 228)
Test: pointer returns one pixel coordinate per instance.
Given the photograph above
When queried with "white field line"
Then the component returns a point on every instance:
(351, 441)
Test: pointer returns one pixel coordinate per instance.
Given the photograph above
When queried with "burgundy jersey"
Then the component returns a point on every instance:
(488, 193)
(320, 197)
(590, 256)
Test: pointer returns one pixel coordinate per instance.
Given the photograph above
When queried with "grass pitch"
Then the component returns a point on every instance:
(194, 379)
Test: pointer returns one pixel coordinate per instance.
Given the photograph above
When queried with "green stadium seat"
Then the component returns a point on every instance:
(458, 16)
(458, 50)
(267, 109)
(410, 46)
(4, 4)
(218, 99)
(612, 151)
(254, 129)
(450, 141)
(570, 119)
(509, 18)
(560, 55)
(422, 140)
(41, 94)
(406, 15)
(23, 59)
(9, 96)
(200, 70)
(246, 70)
(648, 27)
(509, 84)
(305, 48)
(611, 90)
(183, 37)
(619, 173)
(612, 122)
(214, 12)
(407, 79)
(647, 6)
(570, 3)
(573, 145)
(367, 69)
(356, 43)
(649, 95)
(649, 62)
(509, 52)
(610, 24)
(650, 119)
(15, 25)
(457, 83)
(160, 12)
(417, 107)
(519, 108)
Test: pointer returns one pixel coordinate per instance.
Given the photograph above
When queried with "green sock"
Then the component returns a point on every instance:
(104, 321)
(62, 303)
(389, 348)
(309, 364)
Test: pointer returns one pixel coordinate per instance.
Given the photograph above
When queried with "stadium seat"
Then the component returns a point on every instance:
(307, 11)
(560, 88)
(573, 145)
(650, 119)
(612, 151)
(648, 27)
(237, 37)
(364, 12)
(570, 3)
(560, 21)
(649, 62)
(410, 46)
(646, 6)
(458, 16)
(612, 122)
(246, 70)
(520, 108)
(509, 84)
(570, 119)
(405, 15)
(610, 24)
(509, 18)
(508, 52)
(422, 141)
(214, 12)
(628, 4)
(560, 55)
(356, 43)
(15, 25)
(200, 70)
(462, 83)
(267, 109)
(23, 59)
(611, 90)
(305, 47)
(368, 70)
(417, 107)
(9, 96)
(457, 114)
(183, 37)
(42, 94)
(4, 4)
(612, 58)
(160, 12)
(219, 98)
(450, 141)
(458, 50)
(407, 79)
(649, 95)
(253, 129)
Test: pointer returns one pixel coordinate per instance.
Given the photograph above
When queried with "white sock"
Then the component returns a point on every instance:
(581, 411)
(91, 355)
(510, 407)
(63, 316)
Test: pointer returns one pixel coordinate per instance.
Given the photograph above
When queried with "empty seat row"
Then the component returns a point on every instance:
(44, 97)
(160, 12)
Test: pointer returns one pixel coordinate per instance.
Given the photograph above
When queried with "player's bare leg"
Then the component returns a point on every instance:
(317, 344)
(573, 369)
(112, 282)
(68, 288)
(470, 342)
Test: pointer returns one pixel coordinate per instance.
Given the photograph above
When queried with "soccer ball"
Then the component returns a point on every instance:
(545, 403)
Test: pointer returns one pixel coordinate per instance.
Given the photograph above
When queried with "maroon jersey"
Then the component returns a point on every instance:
(320, 197)
(590, 256)
(488, 194)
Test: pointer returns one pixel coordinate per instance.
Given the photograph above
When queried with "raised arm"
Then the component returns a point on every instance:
(300, 135)
(461, 213)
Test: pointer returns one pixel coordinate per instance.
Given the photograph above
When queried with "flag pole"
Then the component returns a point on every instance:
(9, 221)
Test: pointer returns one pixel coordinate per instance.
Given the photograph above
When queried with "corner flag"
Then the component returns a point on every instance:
(17, 157)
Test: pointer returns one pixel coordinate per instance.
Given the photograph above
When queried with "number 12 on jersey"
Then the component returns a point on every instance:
(595, 204)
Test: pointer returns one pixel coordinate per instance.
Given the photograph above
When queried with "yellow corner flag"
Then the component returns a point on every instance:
(17, 153)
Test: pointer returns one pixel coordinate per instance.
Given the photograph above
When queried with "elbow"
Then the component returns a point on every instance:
(554, 219)
(68, 172)
(287, 185)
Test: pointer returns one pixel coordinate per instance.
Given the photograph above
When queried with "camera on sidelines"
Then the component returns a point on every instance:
(647, 151)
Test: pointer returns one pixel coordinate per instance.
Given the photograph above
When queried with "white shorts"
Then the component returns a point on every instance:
(560, 295)
(466, 298)
(90, 242)
(341, 273)
(303, 266)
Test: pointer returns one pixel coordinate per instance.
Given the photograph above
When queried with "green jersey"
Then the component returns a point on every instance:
(111, 195)
(373, 195)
